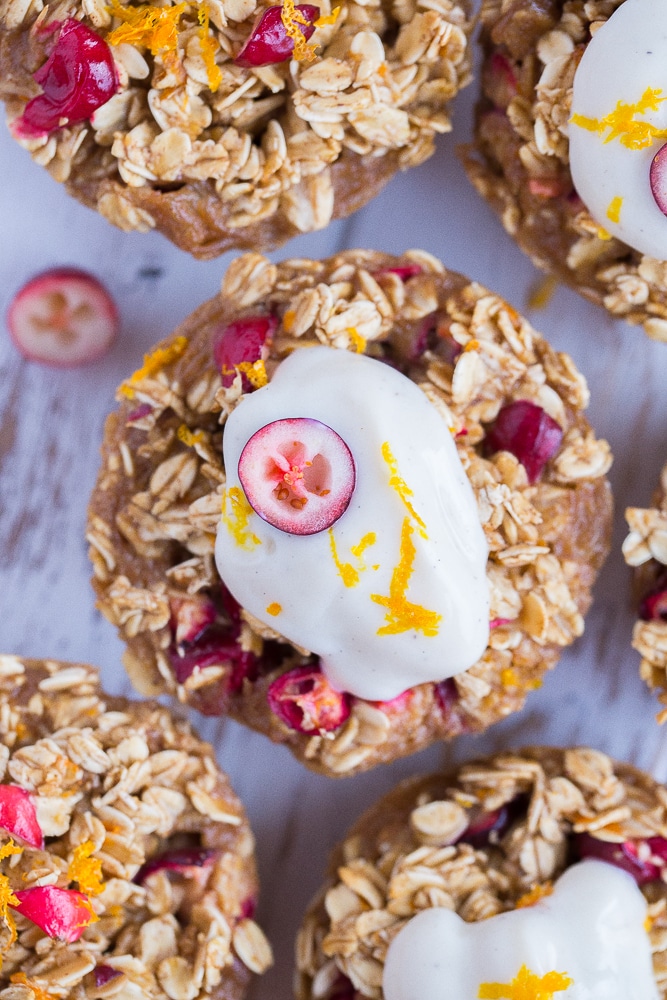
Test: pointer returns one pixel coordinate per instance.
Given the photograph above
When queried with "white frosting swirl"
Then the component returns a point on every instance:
(350, 592)
(626, 57)
(590, 930)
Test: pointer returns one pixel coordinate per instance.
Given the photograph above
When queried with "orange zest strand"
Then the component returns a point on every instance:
(86, 870)
(274, 609)
(348, 573)
(327, 19)
(208, 49)
(622, 122)
(537, 893)
(154, 363)
(614, 209)
(358, 342)
(156, 28)
(402, 615)
(526, 986)
(254, 371)
(188, 437)
(237, 518)
(20, 979)
(292, 18)
(398, 484)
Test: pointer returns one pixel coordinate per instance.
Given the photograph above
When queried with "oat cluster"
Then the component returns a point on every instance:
(645, 547)
(402, 857)
(520, 162)
(116, 784)
(262, 142)
(156, 508)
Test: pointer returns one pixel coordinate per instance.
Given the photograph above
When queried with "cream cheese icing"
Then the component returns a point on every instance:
(619, 122)
(395, 592)
(587, 939)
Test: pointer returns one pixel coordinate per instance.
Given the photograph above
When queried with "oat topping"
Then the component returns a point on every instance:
(645, 548)
(126, 864)
(158, 500)
(510, 826)
(253, 140)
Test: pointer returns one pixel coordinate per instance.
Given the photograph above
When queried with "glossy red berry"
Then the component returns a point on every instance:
(18, 815)
(61, 913)
(528, 432)
(242, 342)
(305, 701)
(269, 42)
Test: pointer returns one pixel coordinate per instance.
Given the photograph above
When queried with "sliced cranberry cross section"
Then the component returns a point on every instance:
(78, 77)
(61, 913)
(304, 700)
(18, 815)
(269, 41)
(527, 432)
(298, 475)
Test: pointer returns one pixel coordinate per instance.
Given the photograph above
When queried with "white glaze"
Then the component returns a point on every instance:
(591, 928)
(627, 55)
(367, 403)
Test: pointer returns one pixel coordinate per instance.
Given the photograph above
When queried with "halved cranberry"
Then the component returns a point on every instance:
(527, 432)
(625, 856)
(217, 645)
(18, 815)
(188, 861)
(653, 607)
(190, 617)
(242, 342)
(104, 974)
(61, 913)
(269, 42)
(298, 475)
(78, 77)
(304, 700)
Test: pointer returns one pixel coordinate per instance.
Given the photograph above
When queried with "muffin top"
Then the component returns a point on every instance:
(127, 863)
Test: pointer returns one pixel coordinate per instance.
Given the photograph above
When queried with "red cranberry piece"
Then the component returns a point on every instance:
(248, 907)
(216, 645)
(484, 824)
(498, 622)
(190, 617)
(104, 974)
(78, 77)
(653, 607)
(60, 913)
(242, 342)
(141, 411)
(18, 816)
(658, 179)
(547, 187)
(446, 695)
(625, 856)
(269, 42)
(404, 272)
(527, 432)
(298, 475)
(304, 700)
(500, 82)
(188, 861)
(343, 989)
(658, 847)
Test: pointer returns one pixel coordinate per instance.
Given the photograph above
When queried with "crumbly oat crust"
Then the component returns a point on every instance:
(519, 161)
(645, 548)
(156, 507)
(276, 150)
(130, 782)
(400, 857)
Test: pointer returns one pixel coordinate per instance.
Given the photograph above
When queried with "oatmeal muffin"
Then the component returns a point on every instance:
(570, 145)
(645, 548)
(127, 865)
(353, 622)
(230, 123)
(514, 862)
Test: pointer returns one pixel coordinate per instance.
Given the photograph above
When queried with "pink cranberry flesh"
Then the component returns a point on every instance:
(527, 432)
(446, 695)
(104, 974)
(304, 700)
(60, 913)
(187, 861)
(658, 179)
(653, 607)
(269, 42)
(141, 411)
(242, 342)
(298, 475)
(498, 622)
(190, 617)
(547, 187)
(18, 816)
(78, 77)
(404, 272)
(625, 856)
(216, 646)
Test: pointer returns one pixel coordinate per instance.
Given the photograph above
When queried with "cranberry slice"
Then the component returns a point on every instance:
(187, 861)
(304, 700)
(527, 432)
(61, 913)
(78, 77)
(18, 815)
(269, 42)
(242, 342)
(298, 475)
(625, 856)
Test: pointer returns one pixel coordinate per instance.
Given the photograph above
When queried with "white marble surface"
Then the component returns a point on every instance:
(50, 426)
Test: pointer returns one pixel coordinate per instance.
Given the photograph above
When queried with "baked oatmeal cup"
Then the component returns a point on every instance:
(645, 548)
(127, 862)
(520, 875)
(569, 145)
(403, 548)
(230, 123)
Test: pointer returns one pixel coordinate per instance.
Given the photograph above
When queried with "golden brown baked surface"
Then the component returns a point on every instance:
(155, 510)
